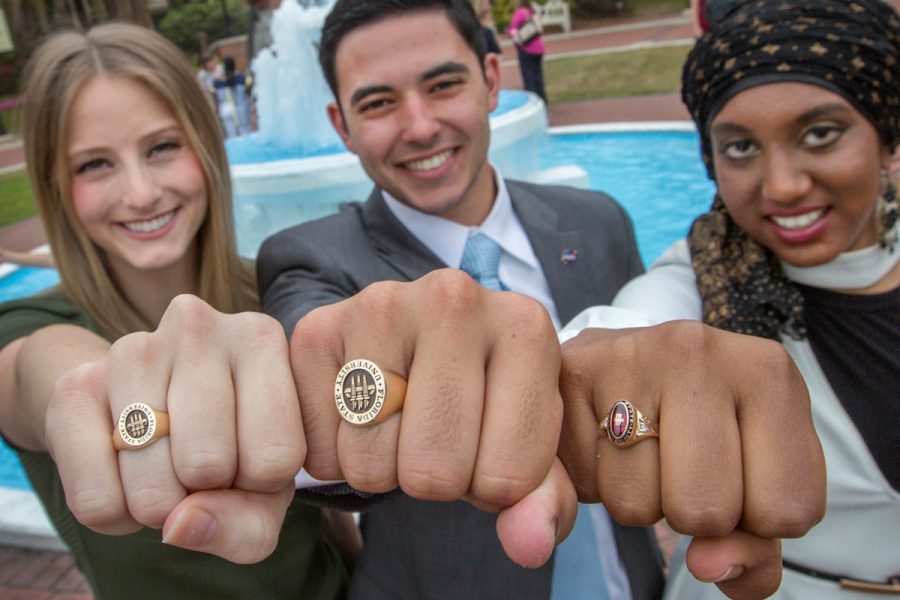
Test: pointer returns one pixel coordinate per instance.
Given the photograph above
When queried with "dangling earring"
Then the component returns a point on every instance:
(889, 210)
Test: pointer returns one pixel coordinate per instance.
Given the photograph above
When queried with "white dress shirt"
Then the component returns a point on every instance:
(521, 272)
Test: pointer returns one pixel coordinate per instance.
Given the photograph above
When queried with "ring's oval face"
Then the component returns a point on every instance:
(619, 421)
(359, 391)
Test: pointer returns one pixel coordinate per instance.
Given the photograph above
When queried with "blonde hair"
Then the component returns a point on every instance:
(54, 76)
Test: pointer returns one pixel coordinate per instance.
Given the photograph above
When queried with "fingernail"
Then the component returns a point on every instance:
(555, 524)
(193, 528)
(732, 572)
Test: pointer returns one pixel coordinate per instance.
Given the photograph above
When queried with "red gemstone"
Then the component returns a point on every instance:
(619, 420)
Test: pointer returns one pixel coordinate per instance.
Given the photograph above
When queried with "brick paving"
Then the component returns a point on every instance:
(40, 575)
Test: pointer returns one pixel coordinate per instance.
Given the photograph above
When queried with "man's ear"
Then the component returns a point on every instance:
(336, 116)
(492, 79)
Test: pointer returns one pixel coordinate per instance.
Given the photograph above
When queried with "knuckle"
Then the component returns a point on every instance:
(702, 519)
(152, 505)
(139, 349)
(256, 330)
(501, 488)
(638, 505)
(273, 466)
(433, 480)
(455, 292)
(790, 520)
(375, 475)
(206, 469)
(527, 317)
(96, 509)
(379, 298)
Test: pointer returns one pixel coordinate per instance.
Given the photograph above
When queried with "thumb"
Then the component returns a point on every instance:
(236, 525)
(530, 529)
(743, 566)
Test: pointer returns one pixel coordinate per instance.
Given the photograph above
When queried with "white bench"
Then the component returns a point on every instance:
(554, 12)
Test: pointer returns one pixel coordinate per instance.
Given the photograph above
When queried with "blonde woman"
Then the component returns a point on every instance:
(129, 171)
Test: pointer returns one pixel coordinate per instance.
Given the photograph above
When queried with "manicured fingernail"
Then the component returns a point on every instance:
(193, 528)
(732, 572)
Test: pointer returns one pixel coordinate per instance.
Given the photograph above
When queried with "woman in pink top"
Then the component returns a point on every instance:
(531, 54)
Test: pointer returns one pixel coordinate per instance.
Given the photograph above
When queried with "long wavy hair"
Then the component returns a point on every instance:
(57, 71)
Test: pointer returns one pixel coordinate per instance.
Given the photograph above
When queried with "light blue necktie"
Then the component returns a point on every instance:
(481, 260)
(577, 570)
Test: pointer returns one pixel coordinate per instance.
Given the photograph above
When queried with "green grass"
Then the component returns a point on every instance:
(615, 74)
(656, 8)
(17, 202)
(11, 119)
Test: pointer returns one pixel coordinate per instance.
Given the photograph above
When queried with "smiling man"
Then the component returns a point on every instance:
(414, 89)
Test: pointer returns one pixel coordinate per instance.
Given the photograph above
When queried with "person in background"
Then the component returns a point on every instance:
(485, 12)
(232, 93)
(530, 51)
(210, 70)
(131, 180)
(26, 259)
(801, 246)
(705, 12)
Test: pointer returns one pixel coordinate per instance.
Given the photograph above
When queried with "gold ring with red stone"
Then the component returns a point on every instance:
(366, 394)
(626, 426)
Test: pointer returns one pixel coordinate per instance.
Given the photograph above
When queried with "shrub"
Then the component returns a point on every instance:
(184, 25)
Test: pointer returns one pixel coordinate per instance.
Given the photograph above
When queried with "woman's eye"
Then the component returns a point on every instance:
(822, 135)
(164, 147)
(738, 149)
(91, 165)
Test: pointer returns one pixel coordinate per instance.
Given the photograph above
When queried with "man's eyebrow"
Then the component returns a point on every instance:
(446, 68)
(368, 90)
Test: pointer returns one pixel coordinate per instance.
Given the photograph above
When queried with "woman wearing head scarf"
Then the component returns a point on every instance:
(798, 108)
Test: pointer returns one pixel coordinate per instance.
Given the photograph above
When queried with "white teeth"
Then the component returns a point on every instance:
(799, 221)
(432, 162)
(150, 225)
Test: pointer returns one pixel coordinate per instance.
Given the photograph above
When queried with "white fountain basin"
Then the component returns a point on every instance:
(271, 196)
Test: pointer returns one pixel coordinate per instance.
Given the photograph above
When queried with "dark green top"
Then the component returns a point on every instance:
(303, 565)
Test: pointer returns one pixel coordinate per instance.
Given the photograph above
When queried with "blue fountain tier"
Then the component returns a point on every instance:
(275, 193)
(254, 148)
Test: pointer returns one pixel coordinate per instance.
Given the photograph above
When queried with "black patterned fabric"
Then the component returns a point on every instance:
(851, 48)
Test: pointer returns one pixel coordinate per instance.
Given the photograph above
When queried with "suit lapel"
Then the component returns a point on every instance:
(541, 223)
(394, 243)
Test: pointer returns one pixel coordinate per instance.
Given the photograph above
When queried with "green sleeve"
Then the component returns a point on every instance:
(21, 318)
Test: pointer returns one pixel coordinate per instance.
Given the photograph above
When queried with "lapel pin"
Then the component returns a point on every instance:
(568, 256)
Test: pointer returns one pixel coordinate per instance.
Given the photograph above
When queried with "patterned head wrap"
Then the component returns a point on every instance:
(849, 47)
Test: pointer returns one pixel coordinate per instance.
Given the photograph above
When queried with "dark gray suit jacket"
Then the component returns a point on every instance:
(423, 550)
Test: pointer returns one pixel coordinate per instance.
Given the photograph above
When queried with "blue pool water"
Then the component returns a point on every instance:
(656, 176)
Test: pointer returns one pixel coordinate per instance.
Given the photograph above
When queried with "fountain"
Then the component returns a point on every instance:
(295, 168)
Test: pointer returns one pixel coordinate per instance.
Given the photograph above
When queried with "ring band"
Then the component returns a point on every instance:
(366, 394)
(139, 426)
(626, 426)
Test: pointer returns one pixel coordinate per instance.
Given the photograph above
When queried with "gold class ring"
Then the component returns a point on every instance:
(626, 426)
(366, 394)
(139, 426)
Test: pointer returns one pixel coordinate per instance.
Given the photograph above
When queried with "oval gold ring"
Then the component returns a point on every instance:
(366, 394)
(139, 426)
(626, 426)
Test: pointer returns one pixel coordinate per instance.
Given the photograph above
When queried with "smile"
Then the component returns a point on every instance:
(798, 221)
(150, 225)
(430, 163)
